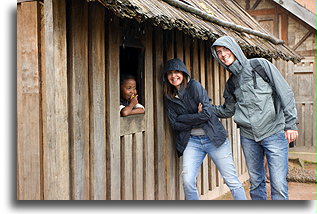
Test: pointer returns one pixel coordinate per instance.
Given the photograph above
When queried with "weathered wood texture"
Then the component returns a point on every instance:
(29, 124)
(55, 103)
(78, 99)
(89, 151)
(302, 79)
(149, 137)
(113, 149)
(97, 93)
(159, 129)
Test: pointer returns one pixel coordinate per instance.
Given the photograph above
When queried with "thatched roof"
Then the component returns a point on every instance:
(162, 14)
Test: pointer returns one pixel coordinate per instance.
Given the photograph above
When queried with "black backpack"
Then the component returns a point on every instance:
(257, 67)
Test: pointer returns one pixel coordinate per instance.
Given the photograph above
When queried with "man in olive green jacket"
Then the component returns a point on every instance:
(265, 113)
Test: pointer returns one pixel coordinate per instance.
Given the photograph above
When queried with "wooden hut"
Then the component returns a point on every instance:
(294, 21)
(72, 143)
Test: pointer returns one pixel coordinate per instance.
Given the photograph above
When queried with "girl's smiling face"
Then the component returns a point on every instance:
(175, 78)
(225, 55)
(128, 89)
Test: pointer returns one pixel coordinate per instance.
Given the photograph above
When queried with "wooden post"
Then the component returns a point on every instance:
(79, 99)
(187, 48)
(159, 133)
(149, 141)
(170, 143)
(138, 170)
(204, 167)
(55, 107)
(179, 160)
(97, 101)
(195, 72)
(113, 113)
(29, 130)
(127, 167)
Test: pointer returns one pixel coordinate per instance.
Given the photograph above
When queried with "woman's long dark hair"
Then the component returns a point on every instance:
(169, 90)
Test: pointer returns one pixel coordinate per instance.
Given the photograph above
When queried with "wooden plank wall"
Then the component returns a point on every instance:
(92, 153)
(29, 121)
(97, 93)
(302, 79)
(55, 102)
(78, 99)
(113, 148)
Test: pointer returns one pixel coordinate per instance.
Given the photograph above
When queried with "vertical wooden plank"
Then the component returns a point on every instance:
(195, 72)
(179, 160)
(19, 152)
(113, 113)
(138, 173)
(149, 133)
(202, 64)
(214, 73)
(218, 74)
(196, 75)
(29, 130)
(187, 49)
(313, 64)
(204, 177)
(97, 101)
(159, 128)
(213, 170)
(126, 165)
(79, 99)
(301, 126)
(236, 142)
(179, 53)
(209, 73)
(308, 125)
(55, 104)
(170, 142)
(209, 85)
(240, 160)
(284, 27)
(216, 82)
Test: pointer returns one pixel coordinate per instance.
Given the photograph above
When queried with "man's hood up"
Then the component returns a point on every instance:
(232, 45)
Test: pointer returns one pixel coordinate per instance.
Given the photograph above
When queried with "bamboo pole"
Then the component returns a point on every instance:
(223, 23)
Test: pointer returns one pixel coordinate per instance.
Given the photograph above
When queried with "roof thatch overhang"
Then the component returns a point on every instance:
(162, 14)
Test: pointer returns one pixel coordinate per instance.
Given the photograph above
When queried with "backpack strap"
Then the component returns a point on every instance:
(257, 67)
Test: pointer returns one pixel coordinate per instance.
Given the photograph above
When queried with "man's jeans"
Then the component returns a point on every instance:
(275, 148)
(194, 154)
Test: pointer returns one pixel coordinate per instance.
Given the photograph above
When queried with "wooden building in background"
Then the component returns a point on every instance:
(72, 143)
(294, 21)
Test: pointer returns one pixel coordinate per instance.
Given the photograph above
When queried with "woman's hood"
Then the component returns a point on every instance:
(175, 65)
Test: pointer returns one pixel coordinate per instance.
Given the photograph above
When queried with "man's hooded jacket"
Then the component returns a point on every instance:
(261, 111)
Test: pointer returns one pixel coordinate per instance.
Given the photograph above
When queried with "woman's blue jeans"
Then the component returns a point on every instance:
(275, 148)
(194, 154)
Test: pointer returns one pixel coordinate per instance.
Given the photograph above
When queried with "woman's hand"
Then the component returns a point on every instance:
(200, 107)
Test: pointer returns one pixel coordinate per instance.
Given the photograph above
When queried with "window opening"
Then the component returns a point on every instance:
(132, 63)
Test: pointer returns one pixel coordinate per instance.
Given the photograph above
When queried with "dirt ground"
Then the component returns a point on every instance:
(296, 190)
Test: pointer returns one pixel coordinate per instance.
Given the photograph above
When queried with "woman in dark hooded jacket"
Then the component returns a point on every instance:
(198, 131)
